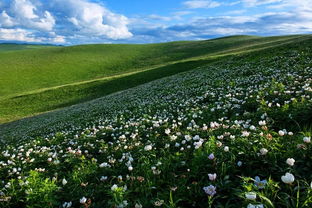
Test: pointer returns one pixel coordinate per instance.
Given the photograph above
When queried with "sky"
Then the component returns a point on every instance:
(71, 22)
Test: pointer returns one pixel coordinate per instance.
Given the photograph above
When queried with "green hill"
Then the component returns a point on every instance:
(5, 47)
(44, 79)
(233, 132)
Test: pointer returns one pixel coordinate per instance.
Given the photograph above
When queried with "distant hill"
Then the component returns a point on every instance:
(4, 47)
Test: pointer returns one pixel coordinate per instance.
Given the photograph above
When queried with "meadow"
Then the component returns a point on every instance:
(233, 131)
(50, 78)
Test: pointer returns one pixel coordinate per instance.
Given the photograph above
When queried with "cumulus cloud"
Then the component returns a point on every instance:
(64, 19)
(25, 14)
(92, 19)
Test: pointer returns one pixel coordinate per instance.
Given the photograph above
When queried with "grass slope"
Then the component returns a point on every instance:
(234, 133)
(50, 78)
(6, 47)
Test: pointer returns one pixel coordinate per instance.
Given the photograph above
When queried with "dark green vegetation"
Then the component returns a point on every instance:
(50, 78)
(235, 132)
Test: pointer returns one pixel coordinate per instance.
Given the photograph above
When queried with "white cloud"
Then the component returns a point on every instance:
(64, 18)
(6, 20)
(93, 19)
(24, 9)
(196, 4)
(22, 13)
(17, 35)
(22, 35)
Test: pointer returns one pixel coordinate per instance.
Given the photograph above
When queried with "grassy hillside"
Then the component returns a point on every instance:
(233, 133)
(5, 47)
(49, 78)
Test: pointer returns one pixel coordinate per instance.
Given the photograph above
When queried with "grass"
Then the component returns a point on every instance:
(235, 132)
(6, 47)
(50, 78)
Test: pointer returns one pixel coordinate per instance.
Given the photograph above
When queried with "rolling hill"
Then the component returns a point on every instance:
(38, 80)
(226, 128)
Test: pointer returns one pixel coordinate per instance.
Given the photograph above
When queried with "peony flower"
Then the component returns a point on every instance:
(83, 200)
(226, 149)
(64, 182)
(114, 187)
(290, 161)
(148, 147)
(212, 177)
(158, 203)
(67, 204)
(138, 205)
(288, 178)
(307, 139)
(263, 151)
(210, 190)
(103, 178)
(167, 131)
(104, 165)
(251, 195)
(262, 123)
(245, 133)
(281, 132)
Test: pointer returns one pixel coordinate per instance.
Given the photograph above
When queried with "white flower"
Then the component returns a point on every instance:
(64, 182)
(263, 151)
(288, 178)
(251, 195)
(83, 200)
(281, 132)
(245, 133)
(198, 144)
(67, 204)
(103, 178)
(130, 168)
(307, 139)
(138, 205)
(239, 163)
(148, 147)
(49, 159)
(252, 128)
(167, 131)
(104, 164)
(212, 177)
(290, 161)
(255, 206)
(262, 123)
(226, 149)
(114, 187)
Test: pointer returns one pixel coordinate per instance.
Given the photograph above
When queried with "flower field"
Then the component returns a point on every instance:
(236, 133)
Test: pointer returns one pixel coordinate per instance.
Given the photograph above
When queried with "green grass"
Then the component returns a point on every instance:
(6, 47)
(234, 132)
(45, 79)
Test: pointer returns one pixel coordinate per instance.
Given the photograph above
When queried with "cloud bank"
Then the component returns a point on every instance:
(59, 21)
(89, 21)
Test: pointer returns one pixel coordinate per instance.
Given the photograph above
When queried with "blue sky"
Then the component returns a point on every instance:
(69, 22)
